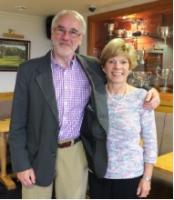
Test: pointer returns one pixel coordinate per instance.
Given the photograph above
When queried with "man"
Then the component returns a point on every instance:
(50, 96)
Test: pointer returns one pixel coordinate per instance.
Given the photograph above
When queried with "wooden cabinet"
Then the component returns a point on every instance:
(145, 19)
(144, 27)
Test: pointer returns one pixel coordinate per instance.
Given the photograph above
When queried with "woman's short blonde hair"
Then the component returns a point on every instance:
(117, 47)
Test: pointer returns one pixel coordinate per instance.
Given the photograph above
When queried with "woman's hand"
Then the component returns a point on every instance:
(152, 99)
(143, 189)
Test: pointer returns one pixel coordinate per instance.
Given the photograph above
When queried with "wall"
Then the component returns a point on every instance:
(33, 28)
(159, 44)
(117, 6)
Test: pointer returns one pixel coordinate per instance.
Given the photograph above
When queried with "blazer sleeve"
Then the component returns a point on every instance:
(18, 133)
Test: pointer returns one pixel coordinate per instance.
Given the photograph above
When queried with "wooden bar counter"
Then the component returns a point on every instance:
(4, 177)
(166, 102)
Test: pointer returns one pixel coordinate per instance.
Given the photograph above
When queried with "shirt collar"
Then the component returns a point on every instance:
(54, 62)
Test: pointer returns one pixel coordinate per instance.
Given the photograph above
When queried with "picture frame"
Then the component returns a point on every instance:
(13, 52)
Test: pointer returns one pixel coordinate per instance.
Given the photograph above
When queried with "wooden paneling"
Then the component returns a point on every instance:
(160, 12)
(160, 6)
(6, 96)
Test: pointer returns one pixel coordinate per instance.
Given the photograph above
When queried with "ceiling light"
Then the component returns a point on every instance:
(21, 8)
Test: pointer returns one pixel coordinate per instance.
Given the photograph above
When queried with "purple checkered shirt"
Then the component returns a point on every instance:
(72, 91)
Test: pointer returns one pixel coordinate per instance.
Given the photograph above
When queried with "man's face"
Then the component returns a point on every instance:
(66, 36)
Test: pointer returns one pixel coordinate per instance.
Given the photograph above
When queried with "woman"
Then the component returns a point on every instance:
(129, 163)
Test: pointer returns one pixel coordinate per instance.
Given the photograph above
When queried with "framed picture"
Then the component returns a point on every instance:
(13, 53)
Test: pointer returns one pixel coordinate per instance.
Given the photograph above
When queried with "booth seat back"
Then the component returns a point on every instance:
(5, 108)
(164, 124)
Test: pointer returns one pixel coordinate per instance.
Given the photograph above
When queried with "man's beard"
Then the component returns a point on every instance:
(63, 50)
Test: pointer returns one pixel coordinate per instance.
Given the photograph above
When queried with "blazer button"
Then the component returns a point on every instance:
(54, 154)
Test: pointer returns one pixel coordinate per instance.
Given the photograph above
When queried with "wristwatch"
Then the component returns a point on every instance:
(146, 178)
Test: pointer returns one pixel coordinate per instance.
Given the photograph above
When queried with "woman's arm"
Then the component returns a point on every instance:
(144, 185)
(149, 136)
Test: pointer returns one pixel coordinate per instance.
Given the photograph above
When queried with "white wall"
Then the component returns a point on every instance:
(33, 28)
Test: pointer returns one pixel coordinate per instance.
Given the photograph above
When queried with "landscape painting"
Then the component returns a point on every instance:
(13, 53)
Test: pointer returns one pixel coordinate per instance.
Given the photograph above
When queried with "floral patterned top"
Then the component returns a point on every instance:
(129, 122)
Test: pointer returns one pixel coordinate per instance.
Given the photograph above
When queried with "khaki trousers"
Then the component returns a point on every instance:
(71, 176)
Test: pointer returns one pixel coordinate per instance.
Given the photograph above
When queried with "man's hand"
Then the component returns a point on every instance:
(27, 177)
(152, 99)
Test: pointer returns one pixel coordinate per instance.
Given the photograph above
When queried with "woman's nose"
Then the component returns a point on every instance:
(116, 64)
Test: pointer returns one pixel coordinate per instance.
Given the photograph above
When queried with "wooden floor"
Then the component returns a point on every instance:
(10, 194)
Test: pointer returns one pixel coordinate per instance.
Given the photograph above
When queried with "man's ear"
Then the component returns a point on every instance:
(103, 69)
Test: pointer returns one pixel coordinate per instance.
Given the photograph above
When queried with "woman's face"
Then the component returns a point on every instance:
(117, 69)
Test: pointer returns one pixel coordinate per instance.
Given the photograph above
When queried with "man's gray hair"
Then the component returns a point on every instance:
(74, 13)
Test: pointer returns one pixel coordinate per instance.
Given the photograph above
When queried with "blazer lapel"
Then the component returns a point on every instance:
(101, 107)
(98, 94)
(45, 82)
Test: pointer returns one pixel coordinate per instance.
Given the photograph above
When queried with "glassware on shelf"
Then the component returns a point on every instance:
(164, 32)
(127, 34)
(140, 56)
(120, 33)
(164, 73)
(111, 27)
(142, 78)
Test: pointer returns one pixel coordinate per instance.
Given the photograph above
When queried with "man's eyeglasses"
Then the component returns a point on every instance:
(73, 33)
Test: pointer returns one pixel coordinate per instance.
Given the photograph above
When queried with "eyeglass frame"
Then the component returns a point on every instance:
(60, 30)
